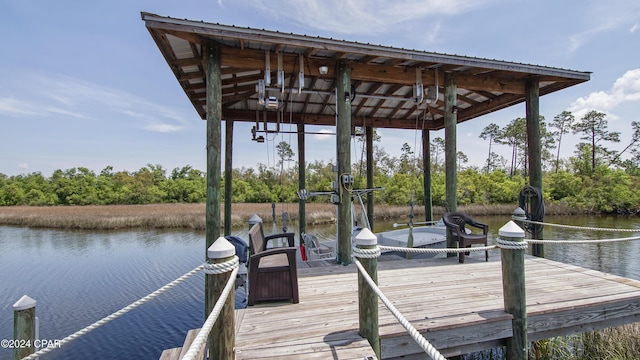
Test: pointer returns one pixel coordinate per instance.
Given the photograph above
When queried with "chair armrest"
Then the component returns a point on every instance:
(479, 225)
(288, 236)
(274, 251)
(455, 227)
(322, 245)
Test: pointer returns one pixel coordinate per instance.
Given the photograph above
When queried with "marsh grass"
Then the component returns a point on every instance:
(192, 216)
(616, 343)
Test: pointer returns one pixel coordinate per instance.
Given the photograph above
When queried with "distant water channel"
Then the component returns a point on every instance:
(78, 277)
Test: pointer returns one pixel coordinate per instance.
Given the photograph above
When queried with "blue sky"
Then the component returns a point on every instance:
(83, 84)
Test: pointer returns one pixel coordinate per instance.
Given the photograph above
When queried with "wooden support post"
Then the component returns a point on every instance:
(228, 175)
(426, 175)
(367, 298)
(343, 130)
(222, 337)
(24, 327)
(302, 166)
(369, 145)
(213, 70)
(214, 117)
(513, 289)
(532, 94)
(450, 149)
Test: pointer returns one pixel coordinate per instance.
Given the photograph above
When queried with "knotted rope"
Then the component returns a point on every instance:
(366, 253)
(221, 268)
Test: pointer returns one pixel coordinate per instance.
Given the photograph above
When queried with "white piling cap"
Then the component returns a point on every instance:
(254, 219)
(511, 230)
(220, 249)
(366, 238)
(24, 303)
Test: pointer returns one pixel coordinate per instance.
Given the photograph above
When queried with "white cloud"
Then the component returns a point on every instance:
(12, 106)
(329, 134)
(69, 97)
(163, 128)
(23, 166)
(603, 16)
(55, 110)
(624, 89)
(361, 16)
(635, 27)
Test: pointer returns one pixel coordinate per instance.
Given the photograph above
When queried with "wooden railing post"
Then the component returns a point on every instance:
(24, 327)
(513, 287)
(222, 339)
(367, 298)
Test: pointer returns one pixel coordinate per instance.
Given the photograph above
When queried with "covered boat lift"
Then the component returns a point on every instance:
(234, 74)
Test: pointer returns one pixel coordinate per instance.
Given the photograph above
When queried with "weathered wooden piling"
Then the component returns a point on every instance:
(24, 327)
(221, 341)
(213, 68)
(367, 298)
(513, 288)
(343, 143)
(450, 149)
(534, 147)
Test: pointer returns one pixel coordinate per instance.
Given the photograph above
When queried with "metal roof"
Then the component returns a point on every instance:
(383, 77)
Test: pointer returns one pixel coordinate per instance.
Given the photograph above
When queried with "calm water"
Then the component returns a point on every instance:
(78, 277)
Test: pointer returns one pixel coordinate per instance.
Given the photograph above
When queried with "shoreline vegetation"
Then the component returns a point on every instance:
(192, 216)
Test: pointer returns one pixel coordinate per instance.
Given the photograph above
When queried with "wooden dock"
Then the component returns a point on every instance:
(458, 307)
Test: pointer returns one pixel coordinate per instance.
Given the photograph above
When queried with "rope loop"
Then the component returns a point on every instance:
(512, 245)
(366, 253)
(221, 268)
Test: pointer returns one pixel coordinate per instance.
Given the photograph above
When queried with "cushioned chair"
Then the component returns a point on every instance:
(272, 272)
(455, 222)
(317, 250)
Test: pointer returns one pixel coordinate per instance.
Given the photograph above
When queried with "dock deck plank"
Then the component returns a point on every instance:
(458, 307)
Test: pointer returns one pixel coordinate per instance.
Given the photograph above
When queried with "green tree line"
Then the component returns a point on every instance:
(595, 179)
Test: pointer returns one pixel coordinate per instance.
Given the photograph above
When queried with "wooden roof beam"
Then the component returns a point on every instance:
(254, 59)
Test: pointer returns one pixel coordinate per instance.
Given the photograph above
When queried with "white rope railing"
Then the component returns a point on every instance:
(585, 241)
(203, 334)
(436, 250)
(413, 332)
(116, 314)
(580, 227)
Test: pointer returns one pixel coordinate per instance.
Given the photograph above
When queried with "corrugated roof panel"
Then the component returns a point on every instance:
(181, 48)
